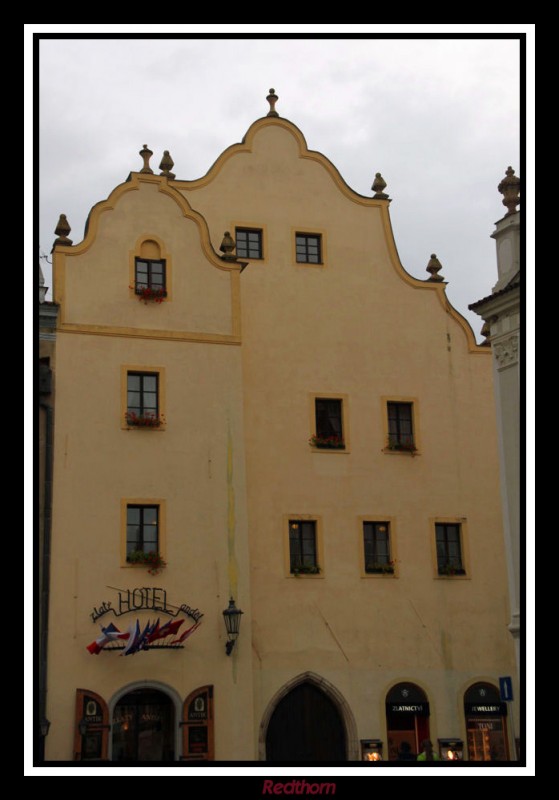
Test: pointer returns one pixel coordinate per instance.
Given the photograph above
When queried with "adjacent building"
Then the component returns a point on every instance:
(259, 410)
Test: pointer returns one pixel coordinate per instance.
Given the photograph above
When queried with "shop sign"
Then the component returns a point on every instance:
(143, 636)
(421, 709)
(492, 709)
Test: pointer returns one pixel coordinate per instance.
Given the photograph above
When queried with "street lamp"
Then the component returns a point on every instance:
(232, 619)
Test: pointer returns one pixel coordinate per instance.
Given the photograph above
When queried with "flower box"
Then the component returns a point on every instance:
(449, 570)
(153, 561)
(147, 294)
(404, 447)
(313, 570)
(327, 442)
(144, 420)
(380, 569)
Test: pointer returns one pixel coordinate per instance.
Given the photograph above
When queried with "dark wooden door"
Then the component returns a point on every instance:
(306, 726)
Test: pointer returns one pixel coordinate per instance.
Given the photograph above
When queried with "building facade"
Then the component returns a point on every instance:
(258, 409)
(501, 314)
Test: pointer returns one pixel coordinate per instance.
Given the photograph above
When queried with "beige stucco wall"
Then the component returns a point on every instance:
(357, 327)
(196, 465)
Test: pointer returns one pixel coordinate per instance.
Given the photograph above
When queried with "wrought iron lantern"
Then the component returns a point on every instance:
(232, 619)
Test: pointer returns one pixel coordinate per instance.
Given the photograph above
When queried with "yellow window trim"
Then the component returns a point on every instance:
(142, 501)
(160, 372)
(287, 518)
(392, 541)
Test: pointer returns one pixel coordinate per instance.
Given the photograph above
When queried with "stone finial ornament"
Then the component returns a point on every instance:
(146, 154)
(272, 99)
(378, 187)
(433, 267)
(167, 165)
(62, 230)
(227, 246)
(510, 189)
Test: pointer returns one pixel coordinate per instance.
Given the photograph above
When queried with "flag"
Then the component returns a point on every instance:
(134, 633)
(184, 636)
(110, 634)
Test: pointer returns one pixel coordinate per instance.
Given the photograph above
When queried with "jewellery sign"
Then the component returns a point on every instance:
(149, 636)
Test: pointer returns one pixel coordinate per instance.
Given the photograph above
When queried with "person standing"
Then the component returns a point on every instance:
(427, 752)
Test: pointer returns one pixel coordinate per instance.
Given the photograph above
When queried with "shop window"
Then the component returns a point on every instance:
(407, 721)
(486, 723)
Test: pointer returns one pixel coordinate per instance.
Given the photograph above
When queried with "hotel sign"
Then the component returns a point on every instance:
(142, 598)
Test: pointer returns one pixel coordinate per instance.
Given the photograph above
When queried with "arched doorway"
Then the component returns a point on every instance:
(144, 726)
(407, 718)
(486, 723)
(306, 725)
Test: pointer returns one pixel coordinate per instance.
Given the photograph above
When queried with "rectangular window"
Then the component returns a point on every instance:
(150, 274)
(308, 248)
(329, 426)
(400, 426)
(249, 242)
(143, 399)
(376, 542)
(142, 531)
(303, 558)
(449, 548)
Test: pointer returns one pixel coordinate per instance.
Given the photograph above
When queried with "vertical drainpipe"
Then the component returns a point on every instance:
(45, 588)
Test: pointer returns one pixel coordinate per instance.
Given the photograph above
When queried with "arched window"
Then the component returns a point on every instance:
(407, 719)
(486, 723)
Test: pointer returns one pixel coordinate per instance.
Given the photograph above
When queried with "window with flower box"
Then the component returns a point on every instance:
(143, 533)
(449, 547)
(143, 400)
(303, 547)
(328, 424)
(400, 426)
(150, 278)
(377, 548)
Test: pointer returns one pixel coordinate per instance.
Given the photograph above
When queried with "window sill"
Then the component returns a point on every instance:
(379, 575)
(339, 450)
(390, 451)
(456, 577)
(306, 575)
(126, 427)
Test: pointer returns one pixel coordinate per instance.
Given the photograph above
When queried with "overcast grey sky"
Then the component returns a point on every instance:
(439, 119)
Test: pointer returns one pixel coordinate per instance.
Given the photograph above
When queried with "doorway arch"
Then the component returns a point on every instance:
(407, 719)
(145, 723)
(308, 719)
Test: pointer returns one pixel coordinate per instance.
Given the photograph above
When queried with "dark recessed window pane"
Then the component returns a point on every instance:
(308, 249)
(248, 243)
(145, 397)
(150, 274)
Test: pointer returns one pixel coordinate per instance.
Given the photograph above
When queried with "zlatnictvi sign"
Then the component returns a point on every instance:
(146, 636)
